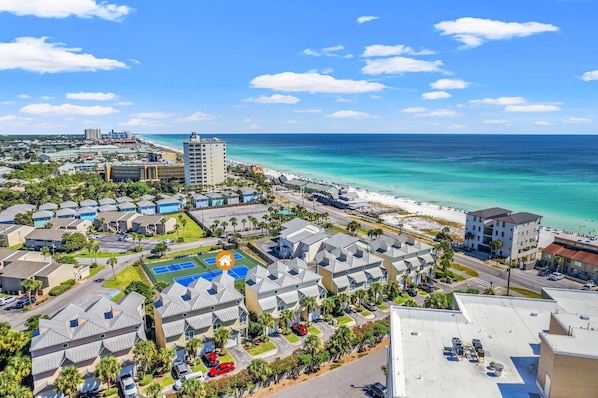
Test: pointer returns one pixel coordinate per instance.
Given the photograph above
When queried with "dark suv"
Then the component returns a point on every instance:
(378, 390)
(426, 287)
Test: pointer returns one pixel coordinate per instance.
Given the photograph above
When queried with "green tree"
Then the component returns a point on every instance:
(309, 304)
(496, 245)
(145, 353)
(73, 241)
(328, 305)
(286, 317)
(352, 227)
(19, 365)
(161, 285)
(112, 261)
(24, 218)
(107, 369)
(160, 249)
(45, 252)
(341, 342)
(154, 390)
(164, 358)
(68, 380)
(359, 296)
(437, 300)
(32, 322)
(468, 237)
(259, 370)
(12, 342)
(142, 288)
(375, 291)
(31, 285)
(221, 336)
(19, 392)
(392, 290)
(233, 222)
(410, 302)
(193, 346)
(266, 321)
(192, 388)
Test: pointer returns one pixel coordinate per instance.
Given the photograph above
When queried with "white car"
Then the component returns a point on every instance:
(168, 241)
(128, 387)
(590, 286)
(7, 300)
(195, 375)
(555, 276)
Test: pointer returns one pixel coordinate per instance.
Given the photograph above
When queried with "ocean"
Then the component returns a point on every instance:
(555, 176)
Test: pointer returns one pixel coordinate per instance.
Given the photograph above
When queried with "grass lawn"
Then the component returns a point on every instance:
(192, 231)
(93, 271)
(400, 300)
(126, 276)
(269, 346)
(167, 382)
(466, 270)
(526, 293)
(365, 313)
(199, 366)
(314, 330)
(18, 246)
(226, 358)
(291, 338)
(118, 297)
(458, 277)
(344, 320)
(383, 307)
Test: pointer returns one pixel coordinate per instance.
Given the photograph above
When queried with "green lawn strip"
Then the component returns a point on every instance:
(18, 246)
(118, 297)
(171, 254)
(344, 320)
(458, 277)
(226, 358)
(314, 330)
(383, 307)
(192, 230)
(269, 346)
(126, 276)
(85, 254)
(526, 293)
(93, 271)
(167, 382)
(291, 338)
(400, 300)
(466, 270)
(199, 367)
(365, 313)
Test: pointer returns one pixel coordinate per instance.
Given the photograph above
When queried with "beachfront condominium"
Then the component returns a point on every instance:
(205, 160)
(518, 234)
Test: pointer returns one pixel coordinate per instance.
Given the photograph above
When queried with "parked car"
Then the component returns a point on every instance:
(426, 287)
(180, 369)
(370, 305)
(555, 276)
(299, 328)
(544, 272)
(221, 369)
(211, 359)
(590, 286)
(195, 375)
(128, 387)
(168, 241)
(7, 300)
(378, 390)
(21, 303)
(411, 292)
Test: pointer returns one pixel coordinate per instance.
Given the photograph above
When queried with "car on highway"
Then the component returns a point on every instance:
(299, 328)
(589, 286)
(195, 375)
(128, 387)
(377, 390)
(211, 359)
(544, 272)
(556, 276)
(411, 292)
(370, 305)
(221, 369)
(7, 300)
(168, 241)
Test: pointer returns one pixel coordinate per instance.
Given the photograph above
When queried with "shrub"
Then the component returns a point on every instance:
(70, 282)
(93, 265)
(222, 352)
(180, 239)
(328, 318)
(137, 249)
(110, 392)
(146, 380)
(63, 287)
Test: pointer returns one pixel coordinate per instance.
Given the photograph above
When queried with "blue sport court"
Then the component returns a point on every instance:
(173, 268)
(212, 260)
(237, 272)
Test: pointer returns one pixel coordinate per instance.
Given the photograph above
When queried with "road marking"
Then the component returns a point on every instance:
(482, 282)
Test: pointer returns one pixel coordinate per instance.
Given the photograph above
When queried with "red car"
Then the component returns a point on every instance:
(300, 329)
(221, 369)
(211, 359)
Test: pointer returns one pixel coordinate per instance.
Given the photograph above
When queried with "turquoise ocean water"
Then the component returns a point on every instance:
(555, 176)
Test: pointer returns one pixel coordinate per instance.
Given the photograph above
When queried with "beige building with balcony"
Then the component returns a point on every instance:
(205, 160)
(197, 310)
(574, 257)
(80, 337)
(281, 287)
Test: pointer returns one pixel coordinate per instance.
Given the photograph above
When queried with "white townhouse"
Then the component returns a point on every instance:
(300, 238)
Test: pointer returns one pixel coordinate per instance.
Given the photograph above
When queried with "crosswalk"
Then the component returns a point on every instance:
(481, 282)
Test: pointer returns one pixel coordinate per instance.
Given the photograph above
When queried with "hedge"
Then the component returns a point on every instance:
(63, 287)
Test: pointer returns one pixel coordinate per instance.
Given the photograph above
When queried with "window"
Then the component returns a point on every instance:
(189, 335)
(352, 286)
(384, 277)
(280, 307)
(368, 282)
(217, 326)
(243, 320)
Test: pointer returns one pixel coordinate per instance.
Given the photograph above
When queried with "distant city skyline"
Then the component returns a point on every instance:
(339, 67)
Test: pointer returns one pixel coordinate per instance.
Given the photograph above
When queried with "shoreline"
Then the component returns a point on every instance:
(414, 207)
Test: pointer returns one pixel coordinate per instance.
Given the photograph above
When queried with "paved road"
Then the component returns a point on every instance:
(351, 380)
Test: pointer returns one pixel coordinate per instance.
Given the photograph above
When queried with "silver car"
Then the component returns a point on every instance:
(129, 389)
(7, 300)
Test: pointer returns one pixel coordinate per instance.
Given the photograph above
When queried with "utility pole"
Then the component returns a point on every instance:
(509, 275)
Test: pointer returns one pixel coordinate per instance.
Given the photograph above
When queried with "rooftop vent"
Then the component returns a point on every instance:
(584, 317)
(534, 314)
(415, 333)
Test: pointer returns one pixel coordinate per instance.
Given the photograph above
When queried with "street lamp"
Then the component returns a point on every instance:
(508, 276)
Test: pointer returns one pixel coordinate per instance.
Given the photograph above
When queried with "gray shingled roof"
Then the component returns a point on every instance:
(490, 213)
(47, 234)
(21, 269)
(519, 218)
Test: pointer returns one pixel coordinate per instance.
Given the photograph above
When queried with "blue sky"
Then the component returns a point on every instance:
(525, 67)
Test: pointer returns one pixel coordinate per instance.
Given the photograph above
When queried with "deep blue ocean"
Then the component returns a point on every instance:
(555, 176)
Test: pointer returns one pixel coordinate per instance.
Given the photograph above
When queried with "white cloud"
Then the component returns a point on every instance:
(328, 51)
(439, 113)
(247, 120)
(341, 99)
(36, 55)
(24, 96)
(472, 32)
(139, 122)
(436, 95)
(380, 50)
(314, 83)
(199, 116)
(499, 101)
(91, 96)
(456, 126)
(309, 51)
(46, 98)
(7, 102)
(400, 65)
(291, 121)
(254, 126)
(543, 123)
(415, 109)
(307, 110)
(274, 99)
(65, 8)
(591, 75)
(574, 120)
(334, 48)
(366, 18)
(449, 84)
(375, 97)
(153, 115)
(12, 118)
(67, 109)
(532, 108)
(124, 103)
(496, 121)
(350, 115)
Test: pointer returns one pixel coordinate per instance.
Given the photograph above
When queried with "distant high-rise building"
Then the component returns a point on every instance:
(118, 135)
(205, 161)
(93, 134)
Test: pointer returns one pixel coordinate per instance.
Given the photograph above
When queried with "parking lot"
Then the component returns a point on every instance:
(111, 244)
(208, 216)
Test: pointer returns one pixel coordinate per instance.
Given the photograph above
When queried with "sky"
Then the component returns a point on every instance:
(464, 66)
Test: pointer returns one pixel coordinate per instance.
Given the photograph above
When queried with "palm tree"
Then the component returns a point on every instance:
(20, 392)
(107, 369)
(224, 225)
(558, 261)
(313, 346)
(45, 252)
(286, 317)
(68, 380)
(233, 222)
(184, 224)
(95, 249)
(145, 352)
(266, 321)
(176, 228)
(243, 221)
(392, 289)
(309, 305)
(259, 370)
(341, 341)
(154, 390)
(495, 245)
(192, 347)
(221, 336)
(352, 227)
(19, 365)
(371, 233)
(375, 290)
(31, 285)
(468, 237)
(165, 357)
(89, 247)
(192, 388)
(328, 305)
(359, 296)
(112, 261)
